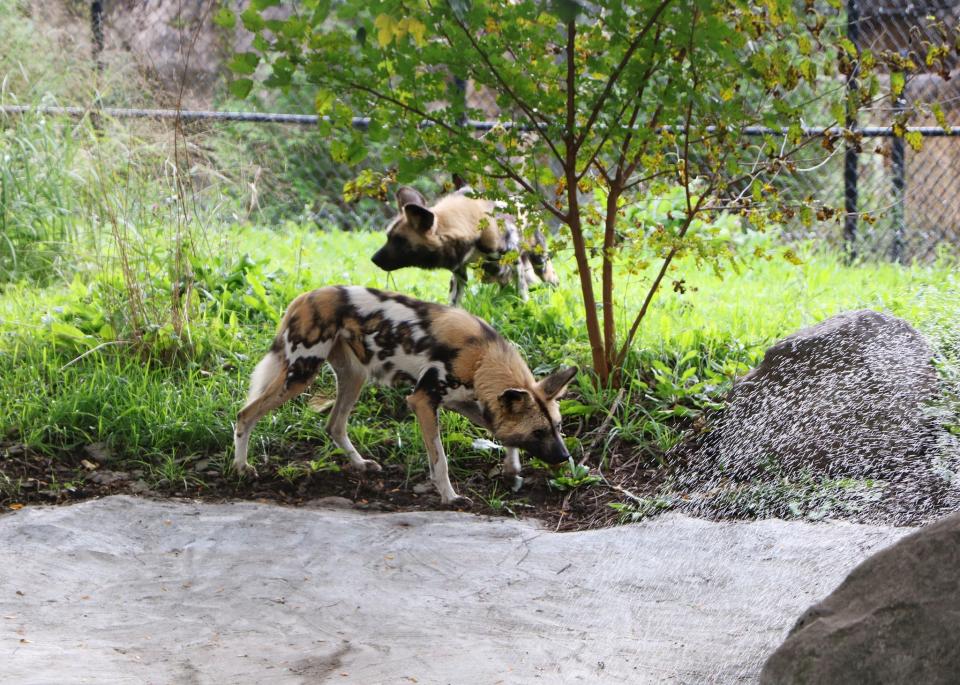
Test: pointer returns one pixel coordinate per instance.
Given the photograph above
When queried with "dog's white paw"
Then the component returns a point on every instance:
(459, 502)
(365, 466)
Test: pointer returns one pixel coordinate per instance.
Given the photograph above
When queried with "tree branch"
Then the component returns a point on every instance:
(524, 107)
(460, 132)
(615, 76)
(573, 219)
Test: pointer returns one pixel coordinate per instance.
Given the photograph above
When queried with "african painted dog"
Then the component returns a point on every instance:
(453, 360)
(457, 231)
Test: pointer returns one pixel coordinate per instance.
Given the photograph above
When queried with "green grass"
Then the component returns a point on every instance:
(72, 377)
(134, 303)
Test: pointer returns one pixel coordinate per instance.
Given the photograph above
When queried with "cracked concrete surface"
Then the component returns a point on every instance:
(127, 590)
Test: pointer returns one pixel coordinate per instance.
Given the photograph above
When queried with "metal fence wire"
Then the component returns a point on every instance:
(909, 200)
(896, 203)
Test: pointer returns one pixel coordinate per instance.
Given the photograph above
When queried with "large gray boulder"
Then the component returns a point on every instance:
(846, 409)
(846, 396)
(895, 619)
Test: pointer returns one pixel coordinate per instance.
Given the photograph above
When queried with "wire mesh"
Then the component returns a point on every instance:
(907, 201)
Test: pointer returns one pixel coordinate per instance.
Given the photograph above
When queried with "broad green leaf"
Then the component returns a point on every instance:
(897, 82)
(914, 140)
(848, 47)
(252, 21)
(224, 18)
(940, 117)
(244, 63)
(241, 87)
(386, 29)
(65, 330)
(324, 101)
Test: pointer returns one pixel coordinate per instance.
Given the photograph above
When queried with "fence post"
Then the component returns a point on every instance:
(460, 98)
(850, 154)
(96, 28)
(897, 161)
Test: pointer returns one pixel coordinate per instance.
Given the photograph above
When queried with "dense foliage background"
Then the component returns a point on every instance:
(144, 265)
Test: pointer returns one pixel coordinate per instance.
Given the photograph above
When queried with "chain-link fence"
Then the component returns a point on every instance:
(898, 203)
(893, 202)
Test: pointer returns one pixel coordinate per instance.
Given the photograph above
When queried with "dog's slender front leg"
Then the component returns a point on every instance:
(511, 462)
(425, 410)
(458, 285)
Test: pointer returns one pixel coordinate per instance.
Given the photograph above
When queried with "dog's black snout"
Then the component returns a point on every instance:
(385, 259)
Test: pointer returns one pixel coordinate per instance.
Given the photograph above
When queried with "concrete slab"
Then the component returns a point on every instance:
(126, 590)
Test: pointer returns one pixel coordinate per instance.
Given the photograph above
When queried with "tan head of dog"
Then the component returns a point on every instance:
(529, 417)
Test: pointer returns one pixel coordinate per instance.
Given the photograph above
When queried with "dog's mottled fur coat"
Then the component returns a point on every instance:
(451, 358)
(457, 231)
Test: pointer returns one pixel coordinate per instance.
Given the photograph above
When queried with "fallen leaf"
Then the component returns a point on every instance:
(88, 465)
(320, 404)
(16, 506)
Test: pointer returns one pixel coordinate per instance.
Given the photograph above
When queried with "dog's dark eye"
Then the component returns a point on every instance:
(540, 433)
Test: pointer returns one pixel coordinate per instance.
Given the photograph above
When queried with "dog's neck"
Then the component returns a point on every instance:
(499, 369)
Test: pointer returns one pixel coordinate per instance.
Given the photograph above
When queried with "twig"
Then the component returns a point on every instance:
(94, 349)
(608, 418)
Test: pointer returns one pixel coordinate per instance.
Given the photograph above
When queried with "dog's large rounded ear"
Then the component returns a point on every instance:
(515, 399)
(420, 218)
(556, 383)
(409, 196)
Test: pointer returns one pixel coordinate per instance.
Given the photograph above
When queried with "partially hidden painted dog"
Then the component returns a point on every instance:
(453, 360)
(457, 231)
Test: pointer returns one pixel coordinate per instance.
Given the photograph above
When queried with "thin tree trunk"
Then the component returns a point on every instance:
(609, 318)
(600, 365)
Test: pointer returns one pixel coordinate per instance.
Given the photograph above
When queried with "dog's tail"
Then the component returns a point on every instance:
(264, 374)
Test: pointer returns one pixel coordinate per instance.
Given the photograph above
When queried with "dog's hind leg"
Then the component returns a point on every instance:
(270, 387)
(525, 276)
(351, 377)
(540, 259)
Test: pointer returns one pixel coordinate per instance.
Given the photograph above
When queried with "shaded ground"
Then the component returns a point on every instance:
(128, 590)
(29, 477)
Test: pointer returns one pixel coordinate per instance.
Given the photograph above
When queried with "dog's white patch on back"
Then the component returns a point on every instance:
(366, 304)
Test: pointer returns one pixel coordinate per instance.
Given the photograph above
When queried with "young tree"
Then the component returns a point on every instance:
(600, 104)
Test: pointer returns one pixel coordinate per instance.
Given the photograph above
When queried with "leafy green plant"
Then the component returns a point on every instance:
(573, 476)
(641, 509)
(603, 105)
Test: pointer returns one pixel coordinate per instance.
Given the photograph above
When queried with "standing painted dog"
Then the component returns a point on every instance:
(453, 360)
(457, 231)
